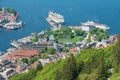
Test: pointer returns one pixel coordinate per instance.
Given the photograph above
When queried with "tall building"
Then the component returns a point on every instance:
(4, 10)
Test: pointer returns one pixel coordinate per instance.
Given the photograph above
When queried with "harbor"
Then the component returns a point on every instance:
(34, 17)
(8, 19)
(57, 33)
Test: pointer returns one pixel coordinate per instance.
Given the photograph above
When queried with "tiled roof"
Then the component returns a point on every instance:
(25, 52)
(73, 50)
(21, 53)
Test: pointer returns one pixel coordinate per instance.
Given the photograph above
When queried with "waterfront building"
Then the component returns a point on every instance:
(4, 10)
(86, 28)
(36, 46)
(18, 54)
(8, 73)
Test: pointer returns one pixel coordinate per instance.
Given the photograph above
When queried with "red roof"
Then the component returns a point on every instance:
(73, 50)
(2, 16)
(16, 55)
(26, 52)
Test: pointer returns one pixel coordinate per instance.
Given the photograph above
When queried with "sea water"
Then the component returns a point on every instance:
(34, 12)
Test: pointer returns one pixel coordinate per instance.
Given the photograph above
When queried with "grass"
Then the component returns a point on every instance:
(73, 40)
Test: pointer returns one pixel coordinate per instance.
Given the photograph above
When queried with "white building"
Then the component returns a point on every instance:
(86, 28)
(4, 10)
(44, 61)
(8, 73)
(51, 38)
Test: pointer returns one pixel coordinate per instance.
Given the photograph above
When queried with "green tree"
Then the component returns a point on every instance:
(102, 72)
(80, 32)
(24, 60)
(11, 10)
(116, 57)
(66, 30)
(35, 39)
(25, 76)
(39, 66)
(69, 69)
(79, 67)
(58, 75)
(71, 35)
(100, 33)
(51, 50)
(33, 59)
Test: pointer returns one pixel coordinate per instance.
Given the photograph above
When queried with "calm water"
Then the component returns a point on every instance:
(34, 12)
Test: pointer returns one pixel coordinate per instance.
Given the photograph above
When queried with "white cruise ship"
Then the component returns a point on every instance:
(13, 25)
(55, 19)
(96, 25)
(89, 23)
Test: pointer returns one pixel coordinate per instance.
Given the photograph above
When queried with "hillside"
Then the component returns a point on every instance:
(90, 64)
(88, 60)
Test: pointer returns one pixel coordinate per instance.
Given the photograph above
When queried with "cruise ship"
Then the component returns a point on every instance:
(55, 19)
(96, 25)
(88, 23)
(13, 25)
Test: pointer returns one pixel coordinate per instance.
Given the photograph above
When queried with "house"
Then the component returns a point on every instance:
(99, 45)
(74, 50)
(51, 38)
(20, 66)
(87, 28)
(33, 35)
(4, 10)
(91, 44)
(62, 55)
(69, 44)
(42, 40)
(5, 62)
(114, 38)
(44, 61)
(79, 43)
(8, 73)
(93, 38)
(55, 45)
(106, 42)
